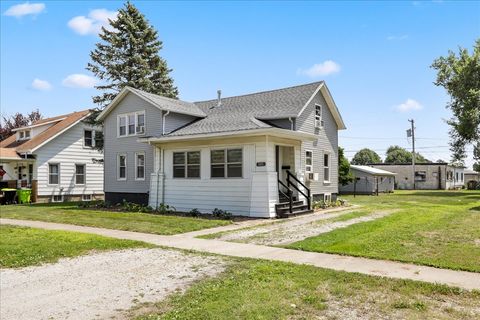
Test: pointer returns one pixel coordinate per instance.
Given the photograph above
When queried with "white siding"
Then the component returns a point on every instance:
(67, 150)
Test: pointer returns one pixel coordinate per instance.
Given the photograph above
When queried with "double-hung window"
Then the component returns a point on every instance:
(139, 166)
(53, 173)
(326, 167)
(308, 161)
(226, 163)
(186, 164)
(122, 167)
(27, 134)
(318, 116)
(80, 173)
(88, 138)
(131, 124)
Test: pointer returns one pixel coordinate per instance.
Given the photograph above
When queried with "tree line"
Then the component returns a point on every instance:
(395, 155)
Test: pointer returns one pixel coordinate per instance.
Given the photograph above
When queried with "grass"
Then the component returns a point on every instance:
(140, 222)
(254, 289)
(435, 228)
(21, 247)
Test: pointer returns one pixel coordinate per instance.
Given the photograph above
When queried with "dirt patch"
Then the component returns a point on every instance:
(298, 229)
(101, 285)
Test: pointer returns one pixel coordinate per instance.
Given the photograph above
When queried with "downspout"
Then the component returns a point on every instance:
(291, 123)
(163, 121)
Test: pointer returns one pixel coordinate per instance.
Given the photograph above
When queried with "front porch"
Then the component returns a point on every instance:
(19, 174)
(271, 183)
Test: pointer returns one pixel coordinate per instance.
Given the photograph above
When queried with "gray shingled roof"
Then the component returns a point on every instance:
(168, 104)
(245, 112)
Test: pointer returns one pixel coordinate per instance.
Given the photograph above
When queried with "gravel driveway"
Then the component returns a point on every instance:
(99, 285)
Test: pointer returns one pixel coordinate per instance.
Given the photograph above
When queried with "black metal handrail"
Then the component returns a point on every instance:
(289, 195)
(289, 183)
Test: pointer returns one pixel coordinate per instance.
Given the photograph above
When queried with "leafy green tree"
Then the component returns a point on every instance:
(399, 155)
(344, 174)
(476, 166)
(460, 76)
(366, 156)
(128, 55)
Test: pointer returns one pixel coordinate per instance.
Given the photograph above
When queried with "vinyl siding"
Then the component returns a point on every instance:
(68, 150)
(327, 143)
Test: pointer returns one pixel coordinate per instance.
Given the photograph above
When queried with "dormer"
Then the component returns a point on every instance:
(24, 134)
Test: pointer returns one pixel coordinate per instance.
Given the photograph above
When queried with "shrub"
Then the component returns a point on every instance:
(194, 213)
(221, 214)
(164, 209)
(135, 207)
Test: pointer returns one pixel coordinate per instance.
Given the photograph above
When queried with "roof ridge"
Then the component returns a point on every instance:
(266, 91)
(59, 118)
(158, 95)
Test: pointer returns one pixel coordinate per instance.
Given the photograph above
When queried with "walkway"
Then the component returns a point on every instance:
(391, 269)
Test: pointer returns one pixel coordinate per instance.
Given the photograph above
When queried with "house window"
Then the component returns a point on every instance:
(186, 164)
(53, 173)
(226, 163)
(30, 173)
(27, 134)
(86, 197)
(88, 138)
(308, 161)
(80, 173)
(326, 167)
(140, 166)
(131, 124)
(122, 167)
(420, 176)
(318, 116)
(57, 198)
(461, 176)
(21, 135)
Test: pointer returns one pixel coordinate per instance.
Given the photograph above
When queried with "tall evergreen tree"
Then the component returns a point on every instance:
(129, 56)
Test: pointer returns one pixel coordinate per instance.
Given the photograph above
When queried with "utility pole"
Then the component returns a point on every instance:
(411, 133)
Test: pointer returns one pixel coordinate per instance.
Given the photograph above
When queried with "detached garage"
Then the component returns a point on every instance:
(369, 180)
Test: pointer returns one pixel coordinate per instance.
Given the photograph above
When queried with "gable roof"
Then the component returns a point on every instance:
(63, 123)
(162, 103)
(372, 171)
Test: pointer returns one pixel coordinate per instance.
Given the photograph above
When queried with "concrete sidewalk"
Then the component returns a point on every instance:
(391, 269)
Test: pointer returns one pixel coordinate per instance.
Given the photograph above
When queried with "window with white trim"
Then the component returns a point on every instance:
(57, 198)
(27, 134)
(326, 167)
(80, 173)
(140, 166)
(318, 116)
(308, 161)
(86, 197)
(186, 164)
(122, 167)
(53, 173)
(21, 135)
(131, 124)
(226, 163)
(88, 138)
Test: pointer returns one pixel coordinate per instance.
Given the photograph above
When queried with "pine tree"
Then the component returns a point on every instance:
(129, 56)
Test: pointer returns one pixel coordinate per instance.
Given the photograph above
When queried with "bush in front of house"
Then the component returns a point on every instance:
(221, 214)
(135, 207)
(332, 204)
(194, 213)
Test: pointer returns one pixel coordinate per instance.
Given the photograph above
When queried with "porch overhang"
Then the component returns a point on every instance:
(274, 132)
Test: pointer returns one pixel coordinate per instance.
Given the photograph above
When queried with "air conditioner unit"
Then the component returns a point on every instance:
(318, 123)
(141, 129)
(310, 176)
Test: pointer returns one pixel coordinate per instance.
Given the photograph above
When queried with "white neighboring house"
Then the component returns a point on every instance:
(249, 154)
(55, 157)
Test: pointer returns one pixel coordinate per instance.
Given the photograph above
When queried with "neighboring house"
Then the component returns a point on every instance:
(428, 176)
(243, 154)
(472, 178)
(55, 157)
(369, 180)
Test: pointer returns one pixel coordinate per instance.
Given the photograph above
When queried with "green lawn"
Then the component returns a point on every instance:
(21, 247)
(254, 289)
(141, 222)
(436, 228)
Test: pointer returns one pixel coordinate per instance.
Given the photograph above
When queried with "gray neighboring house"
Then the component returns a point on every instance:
(471, 177)
(246, 154)
(428, 176)
(369, 180)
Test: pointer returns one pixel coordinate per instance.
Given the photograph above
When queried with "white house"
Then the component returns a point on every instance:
(262, 154)
(55, 157)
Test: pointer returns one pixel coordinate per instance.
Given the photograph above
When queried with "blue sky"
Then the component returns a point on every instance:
(374, 57)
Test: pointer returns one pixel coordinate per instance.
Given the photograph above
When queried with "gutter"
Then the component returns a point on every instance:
(291, 123)
(163, 121)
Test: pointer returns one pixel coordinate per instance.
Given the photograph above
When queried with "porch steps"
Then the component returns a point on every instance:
(298, 207)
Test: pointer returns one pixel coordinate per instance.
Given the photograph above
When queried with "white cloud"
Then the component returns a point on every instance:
(79, 81)
(409, 105)
(320, 69)
(399, 37)
(24, 9)
(93, 23)
(42, 85)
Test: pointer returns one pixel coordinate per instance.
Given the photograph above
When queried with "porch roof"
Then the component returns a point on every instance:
(9, 154)
(275, 132)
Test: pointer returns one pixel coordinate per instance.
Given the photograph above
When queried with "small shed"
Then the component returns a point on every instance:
(369, 180)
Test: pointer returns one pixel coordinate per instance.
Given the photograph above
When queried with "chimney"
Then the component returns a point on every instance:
(219, 94)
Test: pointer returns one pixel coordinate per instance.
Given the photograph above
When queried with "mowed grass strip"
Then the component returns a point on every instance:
(440, 229)
(21, 247)
(254, 289)
(139, 222)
